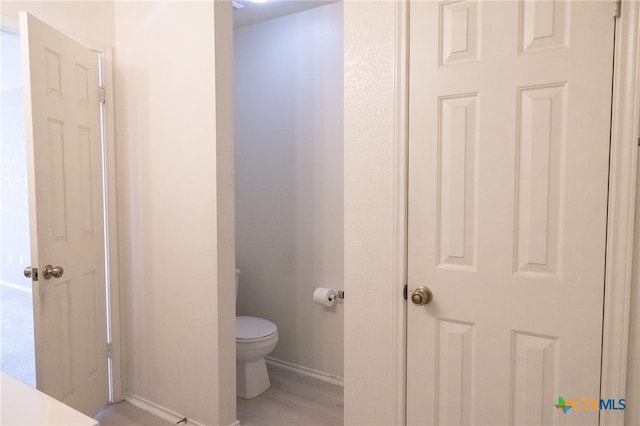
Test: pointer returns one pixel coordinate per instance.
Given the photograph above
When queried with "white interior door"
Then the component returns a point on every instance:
(508, 172)
(62, 116)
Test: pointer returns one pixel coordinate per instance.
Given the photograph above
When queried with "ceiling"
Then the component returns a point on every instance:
(252, 13)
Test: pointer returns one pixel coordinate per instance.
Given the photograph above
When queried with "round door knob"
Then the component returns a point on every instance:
(28, 272)
(52, 271)
(421, 296)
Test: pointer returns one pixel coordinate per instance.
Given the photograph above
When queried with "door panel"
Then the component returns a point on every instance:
(66, 215)
(509, 118)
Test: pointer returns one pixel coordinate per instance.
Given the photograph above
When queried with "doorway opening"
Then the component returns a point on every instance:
(17, 353)
(288, 140)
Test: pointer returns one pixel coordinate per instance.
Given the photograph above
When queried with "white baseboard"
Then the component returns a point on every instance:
(309, 372)
(172, 416)
(160, 411)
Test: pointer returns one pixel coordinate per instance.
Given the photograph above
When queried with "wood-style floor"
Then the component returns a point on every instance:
(292, 400)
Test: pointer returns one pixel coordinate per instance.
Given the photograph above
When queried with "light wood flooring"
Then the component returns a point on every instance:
(292, 400)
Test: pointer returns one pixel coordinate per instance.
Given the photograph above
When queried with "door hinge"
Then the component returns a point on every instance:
(617, 8)
(109, 350)
(102, 96)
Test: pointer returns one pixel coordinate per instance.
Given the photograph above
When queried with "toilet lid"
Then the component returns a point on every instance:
(252, 327)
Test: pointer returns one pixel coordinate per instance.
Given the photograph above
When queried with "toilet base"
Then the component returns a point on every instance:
(252, 378)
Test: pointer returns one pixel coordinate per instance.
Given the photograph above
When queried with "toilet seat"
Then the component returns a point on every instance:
(252, 329)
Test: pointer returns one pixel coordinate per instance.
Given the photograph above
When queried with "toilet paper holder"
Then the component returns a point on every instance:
(339, 294)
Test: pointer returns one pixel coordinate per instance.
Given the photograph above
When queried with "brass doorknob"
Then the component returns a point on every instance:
(52, 271)
(421, 296)
(29, 272)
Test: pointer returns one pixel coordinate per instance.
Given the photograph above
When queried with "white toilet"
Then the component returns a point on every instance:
(255, 339)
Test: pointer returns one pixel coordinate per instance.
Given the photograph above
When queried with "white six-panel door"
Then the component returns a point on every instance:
(508, 171)
(66, 215)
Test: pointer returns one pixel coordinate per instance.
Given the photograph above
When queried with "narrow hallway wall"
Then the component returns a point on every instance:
(175, 206)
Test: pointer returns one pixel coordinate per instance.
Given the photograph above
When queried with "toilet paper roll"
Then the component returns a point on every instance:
(324, 296)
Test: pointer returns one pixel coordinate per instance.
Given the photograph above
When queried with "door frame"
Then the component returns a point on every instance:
(625, 131)
(111, 236)
(116, 369)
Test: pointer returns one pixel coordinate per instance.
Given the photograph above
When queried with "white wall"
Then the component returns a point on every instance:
(373, 329)
(289, 180)
(175, 205)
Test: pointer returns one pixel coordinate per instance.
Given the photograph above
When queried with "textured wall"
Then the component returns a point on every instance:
(372, 347)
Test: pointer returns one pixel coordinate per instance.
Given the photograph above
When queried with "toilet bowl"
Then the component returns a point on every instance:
(255, 339)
